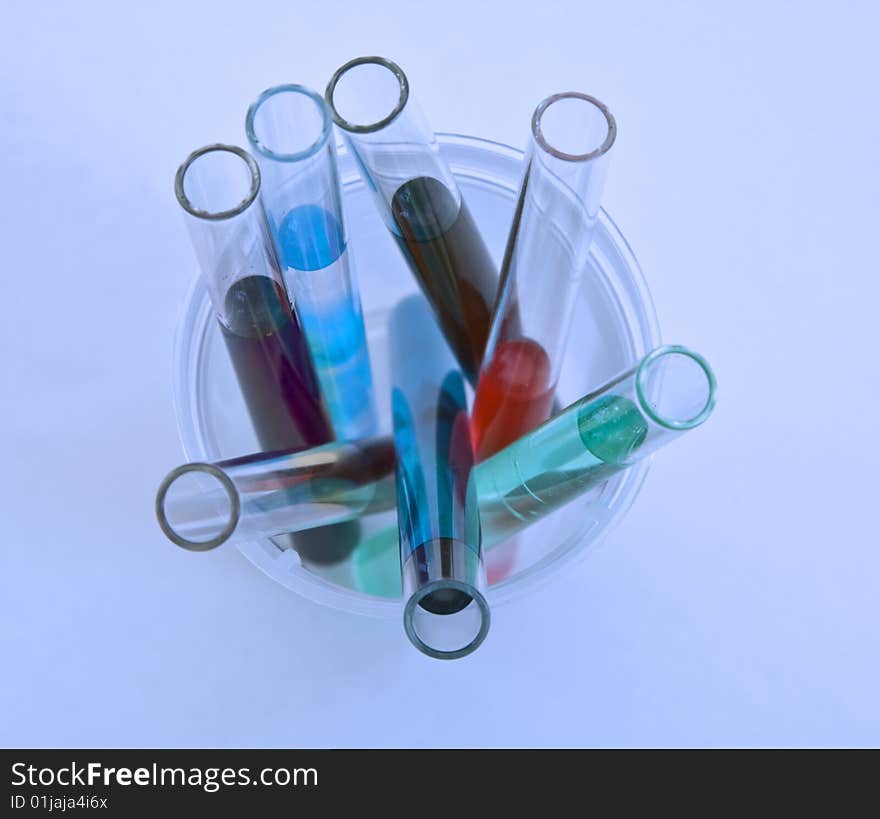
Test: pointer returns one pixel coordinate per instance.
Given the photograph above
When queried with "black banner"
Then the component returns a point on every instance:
(165, 783)
(100, 783)
(83, 783)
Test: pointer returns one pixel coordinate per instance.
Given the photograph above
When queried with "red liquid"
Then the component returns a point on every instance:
(514, 395)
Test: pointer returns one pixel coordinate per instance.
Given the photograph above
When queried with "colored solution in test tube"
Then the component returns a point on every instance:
(290, 130)
(419, 200)
(445, 613)
(218, 187)
(546, 258)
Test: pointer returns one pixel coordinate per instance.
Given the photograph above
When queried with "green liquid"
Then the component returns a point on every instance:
(376, 564)
(575, 452)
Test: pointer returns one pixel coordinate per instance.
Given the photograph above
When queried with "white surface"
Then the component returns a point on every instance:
(737, 604)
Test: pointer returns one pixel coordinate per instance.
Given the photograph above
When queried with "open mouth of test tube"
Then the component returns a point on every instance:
(574, 127)
(217, 182)
(675, 387)
(447, 619)
(367, 93)
(197, 507)
(268, 123)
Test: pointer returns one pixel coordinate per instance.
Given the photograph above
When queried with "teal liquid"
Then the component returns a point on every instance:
(573, 453)
(376, 564)
(313, 252)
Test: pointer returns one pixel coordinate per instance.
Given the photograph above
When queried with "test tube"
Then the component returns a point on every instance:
(671, 391)
(203, 505)
(291, 134)
(419, 200)
(217, 187)
(546, 257)
(445, 615)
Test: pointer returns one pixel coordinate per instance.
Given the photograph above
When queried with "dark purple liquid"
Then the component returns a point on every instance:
(273, 366)
(441, 242)
(279, 384)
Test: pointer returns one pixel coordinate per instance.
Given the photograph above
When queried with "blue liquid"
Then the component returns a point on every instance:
(312, 247)
(310, 238)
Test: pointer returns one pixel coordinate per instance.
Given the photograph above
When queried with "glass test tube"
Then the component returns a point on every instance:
(671, 391)
(419, 200)
(546, 257)
(217, 187)
(290, 131)
(446, 615)
(200, 506)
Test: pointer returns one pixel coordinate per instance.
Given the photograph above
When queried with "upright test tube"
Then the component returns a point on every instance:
(291, 133)
(217, 187)
(446, 615)
(546, 257)
(419, 200)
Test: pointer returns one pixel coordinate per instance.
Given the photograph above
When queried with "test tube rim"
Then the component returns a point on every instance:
(234, 507)
(289, 88)
(642, 391)
(372, 127)
(217, 216)
(542, 142)
(435, 585)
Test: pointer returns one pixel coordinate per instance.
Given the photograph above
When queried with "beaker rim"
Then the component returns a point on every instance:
(480, 164)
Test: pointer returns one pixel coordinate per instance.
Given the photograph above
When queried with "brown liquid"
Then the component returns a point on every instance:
(441, 242)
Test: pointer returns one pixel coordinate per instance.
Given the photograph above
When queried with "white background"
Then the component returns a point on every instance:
(738, 602)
